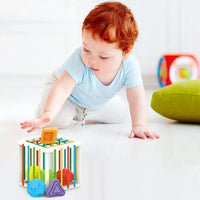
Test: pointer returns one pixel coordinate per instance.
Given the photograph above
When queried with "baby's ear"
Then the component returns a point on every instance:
(126, 54)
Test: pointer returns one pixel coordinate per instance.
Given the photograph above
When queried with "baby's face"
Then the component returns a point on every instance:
(100, 56)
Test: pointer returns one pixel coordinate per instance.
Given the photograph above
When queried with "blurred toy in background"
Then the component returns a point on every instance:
(174, 68)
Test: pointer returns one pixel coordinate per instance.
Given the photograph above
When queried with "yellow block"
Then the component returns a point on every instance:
(37, 170)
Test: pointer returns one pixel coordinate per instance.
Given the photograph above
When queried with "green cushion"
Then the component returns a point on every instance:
(179, 101)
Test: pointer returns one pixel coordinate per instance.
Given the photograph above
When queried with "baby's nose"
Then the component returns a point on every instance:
(92, 62)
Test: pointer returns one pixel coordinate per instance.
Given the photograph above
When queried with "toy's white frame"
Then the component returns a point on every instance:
(49, 159)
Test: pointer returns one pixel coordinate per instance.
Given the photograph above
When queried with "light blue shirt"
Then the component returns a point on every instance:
(89, 92)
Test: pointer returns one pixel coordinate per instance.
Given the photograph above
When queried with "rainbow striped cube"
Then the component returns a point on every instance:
(59, 160)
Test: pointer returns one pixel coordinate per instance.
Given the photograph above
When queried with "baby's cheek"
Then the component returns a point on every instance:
(84, 60)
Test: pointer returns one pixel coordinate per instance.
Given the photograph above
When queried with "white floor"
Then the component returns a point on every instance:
(113, 166)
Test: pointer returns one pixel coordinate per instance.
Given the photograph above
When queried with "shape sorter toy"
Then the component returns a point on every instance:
(60, 160)
(177, 68)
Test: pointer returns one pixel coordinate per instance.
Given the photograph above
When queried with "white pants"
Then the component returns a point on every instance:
(114, 111)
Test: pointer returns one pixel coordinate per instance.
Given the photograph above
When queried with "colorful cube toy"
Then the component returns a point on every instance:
(177, 68)
(58, 160)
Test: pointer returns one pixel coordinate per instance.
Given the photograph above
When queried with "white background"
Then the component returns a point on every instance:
(36, 36)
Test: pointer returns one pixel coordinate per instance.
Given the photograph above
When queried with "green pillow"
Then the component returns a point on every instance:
(179, 101)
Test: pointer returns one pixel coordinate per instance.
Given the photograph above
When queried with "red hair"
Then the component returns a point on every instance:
(112, 22)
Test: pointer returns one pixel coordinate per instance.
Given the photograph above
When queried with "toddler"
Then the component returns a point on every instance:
(85, 87)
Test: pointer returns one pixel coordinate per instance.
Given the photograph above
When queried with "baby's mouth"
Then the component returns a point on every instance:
(93, 69)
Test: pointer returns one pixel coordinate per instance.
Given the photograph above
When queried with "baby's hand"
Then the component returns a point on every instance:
(142, 132)
(44, 120)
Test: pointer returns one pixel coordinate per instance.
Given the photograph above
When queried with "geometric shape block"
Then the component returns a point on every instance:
(174, 68)
(49, 135)
(36, 188)
(55, 189)
(179, 101)
(42, 173)
(51, 175)
(31, 173)
(68, 176)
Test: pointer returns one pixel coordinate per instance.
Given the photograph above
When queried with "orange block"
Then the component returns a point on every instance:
(49, 135)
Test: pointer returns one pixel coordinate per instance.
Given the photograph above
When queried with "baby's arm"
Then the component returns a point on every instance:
(57, 96)
(138, 111)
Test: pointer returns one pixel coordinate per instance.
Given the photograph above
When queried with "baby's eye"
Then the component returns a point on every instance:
(86, 50)
(103, 58)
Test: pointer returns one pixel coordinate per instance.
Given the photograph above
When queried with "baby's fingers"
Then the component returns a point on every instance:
(137, 134)
(156, 135)
(140, 135)
(150, 135)
(32, 129)
(35, 124)
(28, 124)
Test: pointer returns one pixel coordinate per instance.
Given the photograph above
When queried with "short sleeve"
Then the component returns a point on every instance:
(74, 66)
(133, 75)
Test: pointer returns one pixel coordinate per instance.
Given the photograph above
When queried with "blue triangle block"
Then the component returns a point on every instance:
(55, 189)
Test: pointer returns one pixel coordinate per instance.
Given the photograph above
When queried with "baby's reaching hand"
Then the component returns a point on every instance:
(142, 132)
(44, 120)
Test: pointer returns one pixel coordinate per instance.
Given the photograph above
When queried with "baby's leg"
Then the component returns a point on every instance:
(115, 111)
(67, 112)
